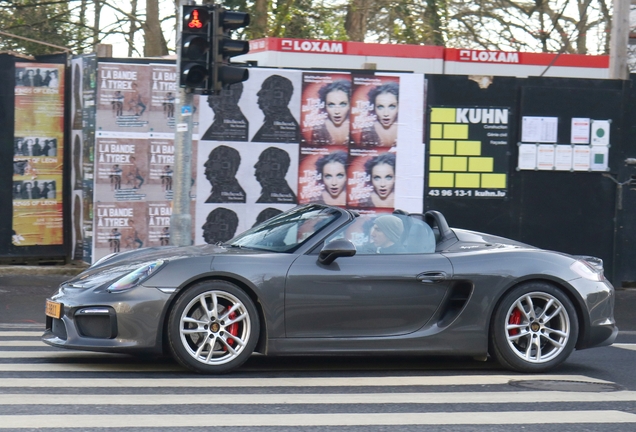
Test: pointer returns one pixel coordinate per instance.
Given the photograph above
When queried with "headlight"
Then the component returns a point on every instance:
(586, 271)
(136, 277)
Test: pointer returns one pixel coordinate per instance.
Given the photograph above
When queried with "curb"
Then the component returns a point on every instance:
(21, 270)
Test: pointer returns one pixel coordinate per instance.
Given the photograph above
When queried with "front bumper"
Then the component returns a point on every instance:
(126, 322)
(600, 328)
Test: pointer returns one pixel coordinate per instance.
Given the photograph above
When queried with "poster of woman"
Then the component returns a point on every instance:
(371, 178)
(323, 175)
(375, 114)
(326, 108)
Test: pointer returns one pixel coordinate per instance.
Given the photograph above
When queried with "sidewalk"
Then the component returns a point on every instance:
(68, 269)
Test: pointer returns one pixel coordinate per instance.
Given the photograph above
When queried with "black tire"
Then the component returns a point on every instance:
(206, 340)
(540, 337)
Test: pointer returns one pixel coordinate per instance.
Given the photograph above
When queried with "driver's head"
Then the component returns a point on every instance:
(387, 230)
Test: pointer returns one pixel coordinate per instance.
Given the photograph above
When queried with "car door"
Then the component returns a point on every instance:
(365, 295)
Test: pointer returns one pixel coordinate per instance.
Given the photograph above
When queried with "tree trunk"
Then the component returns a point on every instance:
(154, 42)
(81, 31)
(356, 19)
(98, 11)
(435, 20)
(133, 28)
(258, 27)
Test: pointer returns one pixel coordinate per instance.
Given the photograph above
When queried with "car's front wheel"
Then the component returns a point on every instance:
(213, 327)
(534, 328)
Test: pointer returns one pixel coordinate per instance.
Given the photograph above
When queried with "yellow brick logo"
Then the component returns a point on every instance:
(464, 147)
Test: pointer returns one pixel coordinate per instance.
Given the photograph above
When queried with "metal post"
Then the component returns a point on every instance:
(619, 39)
(181, 219)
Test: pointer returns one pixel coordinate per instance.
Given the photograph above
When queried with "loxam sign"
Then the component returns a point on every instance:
(312, 46)
(488, 56)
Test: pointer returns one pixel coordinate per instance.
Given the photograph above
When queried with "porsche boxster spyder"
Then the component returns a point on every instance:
(321, 280)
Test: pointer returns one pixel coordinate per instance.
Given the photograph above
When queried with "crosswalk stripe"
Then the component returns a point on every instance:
(393, 381)
(333, 419)
(627, 346)
(328, 398)
(56, 353)
(21, 333)
(12, 326)
(88, 367)
(22, 343)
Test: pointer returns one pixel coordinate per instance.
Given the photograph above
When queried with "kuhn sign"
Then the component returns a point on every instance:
(488, 56)
(312, 46)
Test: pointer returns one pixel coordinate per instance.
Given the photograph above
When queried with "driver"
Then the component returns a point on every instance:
(386, 235)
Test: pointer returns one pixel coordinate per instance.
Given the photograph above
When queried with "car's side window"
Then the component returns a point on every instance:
(388, 234)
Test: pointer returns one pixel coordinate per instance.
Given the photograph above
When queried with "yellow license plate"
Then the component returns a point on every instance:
(53, 309)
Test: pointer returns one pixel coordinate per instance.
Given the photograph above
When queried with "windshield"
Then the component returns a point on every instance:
(287, 231)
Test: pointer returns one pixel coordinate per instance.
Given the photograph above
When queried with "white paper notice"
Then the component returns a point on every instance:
(600, 132)
(599, 158)
(527, 157)
(545, 157)
(539, 129)
(581, 158)
(563, 158)
(580, 131)
(182, 127)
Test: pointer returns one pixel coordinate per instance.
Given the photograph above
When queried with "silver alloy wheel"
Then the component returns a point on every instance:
(537, 327)
(215, 327)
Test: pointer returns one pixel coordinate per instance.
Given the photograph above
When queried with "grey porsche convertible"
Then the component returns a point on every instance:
(321, 280)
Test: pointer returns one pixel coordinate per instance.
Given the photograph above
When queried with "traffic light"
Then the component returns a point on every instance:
(224, 48)
(196, 40)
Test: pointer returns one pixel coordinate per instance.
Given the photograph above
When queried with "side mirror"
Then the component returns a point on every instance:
(335, 249)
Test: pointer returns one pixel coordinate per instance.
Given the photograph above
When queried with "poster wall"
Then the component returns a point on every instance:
(38, 149)
(247, 161)
(83, 95)
(285, 138)
(134, 156)
(279, 139)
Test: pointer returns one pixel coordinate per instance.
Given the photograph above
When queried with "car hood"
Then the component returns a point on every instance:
(116, 266)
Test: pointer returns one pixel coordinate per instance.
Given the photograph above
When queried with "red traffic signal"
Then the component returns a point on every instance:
(194, 56)
(195, 19)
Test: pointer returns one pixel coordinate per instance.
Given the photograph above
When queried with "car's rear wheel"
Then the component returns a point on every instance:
(534, 328)
(213, 327)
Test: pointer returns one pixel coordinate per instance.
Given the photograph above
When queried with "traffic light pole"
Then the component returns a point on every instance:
(181, 219)
(204, 48)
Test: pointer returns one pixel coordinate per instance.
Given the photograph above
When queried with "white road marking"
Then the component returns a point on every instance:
(326, 398)
(21, 333)
(339, 419)
(628, 346)
(58, 353)
(197, 381)
(22, 343)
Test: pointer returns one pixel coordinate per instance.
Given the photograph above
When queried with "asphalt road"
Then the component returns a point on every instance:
(48, 388)
(45, 388)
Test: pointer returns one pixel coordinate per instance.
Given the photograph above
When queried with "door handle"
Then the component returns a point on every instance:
(431, 277)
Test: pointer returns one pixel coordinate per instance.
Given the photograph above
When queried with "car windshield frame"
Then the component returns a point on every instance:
(287, 231)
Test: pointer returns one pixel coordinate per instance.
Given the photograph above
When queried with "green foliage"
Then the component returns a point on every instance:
(46, 21)
(530, 25)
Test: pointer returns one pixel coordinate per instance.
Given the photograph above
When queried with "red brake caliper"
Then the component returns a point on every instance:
(515, 318)
(232, 329)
